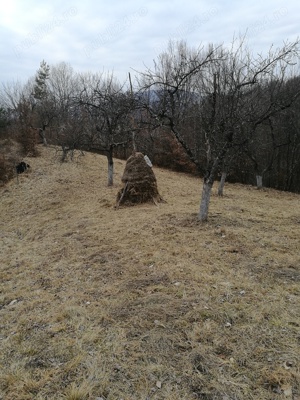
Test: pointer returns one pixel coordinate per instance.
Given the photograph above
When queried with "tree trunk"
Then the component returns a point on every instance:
(43, 136)
(259, 184)
(64, 154)
(205, 199)
(133, 143)
(45, 143)
(208, 184)
(110, 161)
(222, 184)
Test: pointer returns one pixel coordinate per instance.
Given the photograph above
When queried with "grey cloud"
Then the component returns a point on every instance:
(121, 35)
(114, 30)
(43, 30)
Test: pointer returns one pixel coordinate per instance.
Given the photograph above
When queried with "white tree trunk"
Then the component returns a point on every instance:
(205, 199)
(222, 184)
(259, 184)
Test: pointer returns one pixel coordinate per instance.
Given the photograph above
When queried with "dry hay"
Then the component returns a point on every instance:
(139, 183)
(150, 305)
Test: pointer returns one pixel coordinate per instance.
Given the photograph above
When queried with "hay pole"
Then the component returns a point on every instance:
(133, 132)
(123, 194)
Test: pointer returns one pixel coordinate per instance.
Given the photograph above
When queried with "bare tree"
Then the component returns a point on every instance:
(286, 167)
(169, 88)
(269, 100)
(109, 110)
(17, 101)
(222, 82)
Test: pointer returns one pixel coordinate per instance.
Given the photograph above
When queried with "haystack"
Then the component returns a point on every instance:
(139, 183)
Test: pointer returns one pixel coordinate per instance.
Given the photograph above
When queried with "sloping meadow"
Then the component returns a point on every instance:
(144, 302)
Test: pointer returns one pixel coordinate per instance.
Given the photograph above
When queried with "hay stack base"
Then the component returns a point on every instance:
(139, 183)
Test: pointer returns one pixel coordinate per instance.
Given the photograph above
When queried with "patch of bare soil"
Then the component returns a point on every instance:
(145, 302)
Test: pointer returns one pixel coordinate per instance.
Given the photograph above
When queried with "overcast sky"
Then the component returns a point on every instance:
(119, 35)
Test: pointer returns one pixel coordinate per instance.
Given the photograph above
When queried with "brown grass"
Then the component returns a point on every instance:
(10, 155)
(144, 302)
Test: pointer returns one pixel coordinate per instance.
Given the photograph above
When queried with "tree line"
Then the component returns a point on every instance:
(224, 113)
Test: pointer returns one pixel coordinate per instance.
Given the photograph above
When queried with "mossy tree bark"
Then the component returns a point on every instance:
(110, 161)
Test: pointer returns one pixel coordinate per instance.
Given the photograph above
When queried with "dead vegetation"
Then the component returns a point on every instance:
(139, 183)
(144, 302)
(11, 153)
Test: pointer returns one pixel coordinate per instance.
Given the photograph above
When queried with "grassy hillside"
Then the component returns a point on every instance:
(144, 302)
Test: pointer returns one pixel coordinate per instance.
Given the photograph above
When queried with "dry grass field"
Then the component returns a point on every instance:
(144, 302)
